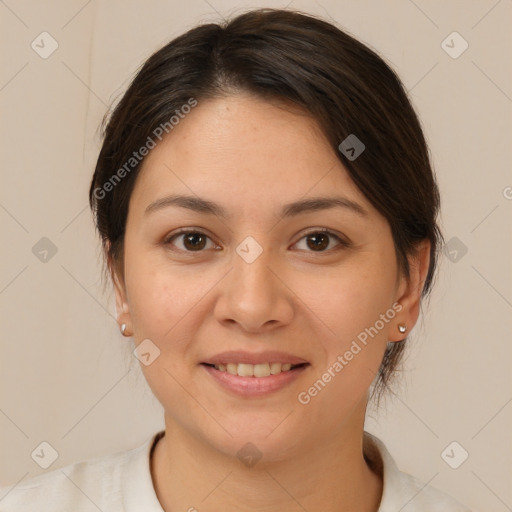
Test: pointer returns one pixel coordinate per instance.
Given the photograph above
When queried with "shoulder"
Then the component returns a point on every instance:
(402, 491)
(99, 483)
(82, 486)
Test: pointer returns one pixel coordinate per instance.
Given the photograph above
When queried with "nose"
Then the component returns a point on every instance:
(253, 297)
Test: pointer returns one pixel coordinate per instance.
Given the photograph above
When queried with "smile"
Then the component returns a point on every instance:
(255, 370)
(248, 380)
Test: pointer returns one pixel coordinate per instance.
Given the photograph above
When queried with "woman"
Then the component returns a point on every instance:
(268, 214)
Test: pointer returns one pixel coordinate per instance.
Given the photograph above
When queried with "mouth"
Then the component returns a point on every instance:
(260, 370)
(251, 375)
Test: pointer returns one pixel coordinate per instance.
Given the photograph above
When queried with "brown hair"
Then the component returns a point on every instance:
(296, 58)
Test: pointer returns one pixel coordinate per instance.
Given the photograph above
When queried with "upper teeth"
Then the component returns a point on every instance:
(254, 370)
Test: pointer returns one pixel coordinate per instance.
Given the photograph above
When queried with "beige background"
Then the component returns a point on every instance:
(68, 377)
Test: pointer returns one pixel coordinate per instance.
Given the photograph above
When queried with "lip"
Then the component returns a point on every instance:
(243, 357)
(254, 386)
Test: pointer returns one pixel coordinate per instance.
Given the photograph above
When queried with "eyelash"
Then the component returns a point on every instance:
(342, 243)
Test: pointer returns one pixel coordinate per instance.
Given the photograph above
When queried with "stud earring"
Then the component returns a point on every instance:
(123, 329)
(402, 328)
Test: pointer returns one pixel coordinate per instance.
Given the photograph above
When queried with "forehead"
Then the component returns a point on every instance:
(248, 151)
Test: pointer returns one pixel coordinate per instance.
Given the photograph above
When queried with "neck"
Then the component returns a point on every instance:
(327, 476)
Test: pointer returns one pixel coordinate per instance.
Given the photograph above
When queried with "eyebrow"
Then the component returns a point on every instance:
(200, 205)
(322, 203)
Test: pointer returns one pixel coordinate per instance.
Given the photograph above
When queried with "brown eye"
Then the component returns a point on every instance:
(321, 241)
(194, 241)
(190, 241)
(318, 241)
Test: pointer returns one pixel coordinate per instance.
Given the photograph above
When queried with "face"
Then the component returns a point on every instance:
(247, 242)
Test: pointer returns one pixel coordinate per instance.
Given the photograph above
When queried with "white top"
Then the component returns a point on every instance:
(122, 483)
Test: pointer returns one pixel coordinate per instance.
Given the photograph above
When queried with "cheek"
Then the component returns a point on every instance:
(349, 300)
(165, 304)
(353, 308)
(350, 309)
(161, 296)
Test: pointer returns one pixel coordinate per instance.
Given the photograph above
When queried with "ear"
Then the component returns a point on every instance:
(410, 289)
(122, 308)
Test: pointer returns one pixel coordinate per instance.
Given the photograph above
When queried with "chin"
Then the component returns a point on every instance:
(268, 440)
